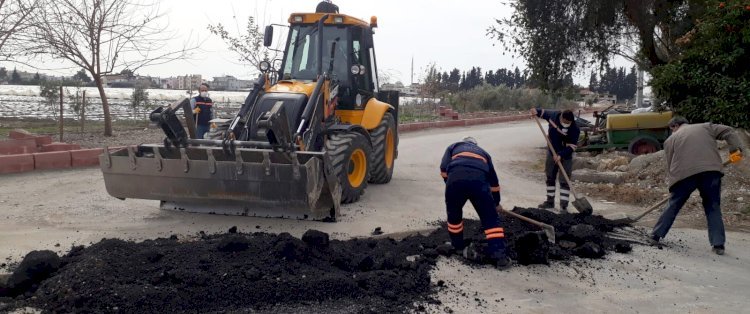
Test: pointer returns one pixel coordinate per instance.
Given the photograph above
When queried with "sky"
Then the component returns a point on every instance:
(450, 33)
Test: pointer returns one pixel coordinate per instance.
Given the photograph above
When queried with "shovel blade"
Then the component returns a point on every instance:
(550, 232)
(583, 206)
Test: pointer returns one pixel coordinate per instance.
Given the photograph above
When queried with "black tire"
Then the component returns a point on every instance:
(643, 145)
(383, 160)
(342, 149)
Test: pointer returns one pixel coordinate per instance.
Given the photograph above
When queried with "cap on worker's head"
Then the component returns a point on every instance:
(469, 139)
(677, 121)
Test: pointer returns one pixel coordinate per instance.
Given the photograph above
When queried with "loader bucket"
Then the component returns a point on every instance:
(244, 181)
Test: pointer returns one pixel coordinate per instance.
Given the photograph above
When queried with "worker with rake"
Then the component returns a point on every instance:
(693, 163)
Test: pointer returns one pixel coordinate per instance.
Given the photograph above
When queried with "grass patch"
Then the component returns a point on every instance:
(51, 127)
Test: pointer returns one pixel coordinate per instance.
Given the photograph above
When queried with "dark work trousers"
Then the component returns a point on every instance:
(470, 184)
(201, 130)
(708, 185)
(552, 171)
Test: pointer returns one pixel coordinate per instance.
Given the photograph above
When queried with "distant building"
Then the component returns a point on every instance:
(589, 96)
(245, 85)
(109, 79)
(189, 81)
(226, 82)
(412, 90)
(169, 83)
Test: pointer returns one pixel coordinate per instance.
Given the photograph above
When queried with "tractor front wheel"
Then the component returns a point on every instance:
(350, 156)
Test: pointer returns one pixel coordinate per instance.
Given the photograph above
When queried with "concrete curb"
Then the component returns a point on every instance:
(411, 127)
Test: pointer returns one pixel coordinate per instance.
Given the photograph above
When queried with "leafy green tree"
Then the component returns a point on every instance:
(15, 78)
(81, 76)
(710, 80)
(51, 94)
(558, 37)
(139, 98)
(3, 73)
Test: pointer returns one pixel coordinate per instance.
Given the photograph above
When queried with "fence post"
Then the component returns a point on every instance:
(61, 113)
(83, 112)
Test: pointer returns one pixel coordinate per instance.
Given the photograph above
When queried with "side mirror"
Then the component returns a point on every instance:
(268, 36)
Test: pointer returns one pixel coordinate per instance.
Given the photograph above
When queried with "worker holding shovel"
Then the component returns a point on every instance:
(693, 163)
(469, 175)
(563, 137)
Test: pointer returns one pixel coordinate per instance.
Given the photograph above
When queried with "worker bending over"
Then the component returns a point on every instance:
(693, 162)
(469, 175)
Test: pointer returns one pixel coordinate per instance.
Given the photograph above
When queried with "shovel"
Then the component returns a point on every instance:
(581, 204)
(548, 230)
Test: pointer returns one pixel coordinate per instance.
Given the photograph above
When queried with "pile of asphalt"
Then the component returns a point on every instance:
(261, 272)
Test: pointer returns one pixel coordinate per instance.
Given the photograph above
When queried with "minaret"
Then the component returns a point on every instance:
(412, 70)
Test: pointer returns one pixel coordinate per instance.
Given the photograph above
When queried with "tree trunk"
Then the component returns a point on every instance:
(105, 106)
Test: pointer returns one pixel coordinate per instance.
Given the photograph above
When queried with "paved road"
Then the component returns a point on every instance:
(65, 207)
(43, 209)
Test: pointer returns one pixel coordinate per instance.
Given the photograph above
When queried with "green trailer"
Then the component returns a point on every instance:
(639, 133)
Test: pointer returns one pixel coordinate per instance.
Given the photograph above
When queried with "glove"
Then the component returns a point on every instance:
(736, 156)
(496, 198)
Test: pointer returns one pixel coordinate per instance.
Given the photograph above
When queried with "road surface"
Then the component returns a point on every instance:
(53, 210)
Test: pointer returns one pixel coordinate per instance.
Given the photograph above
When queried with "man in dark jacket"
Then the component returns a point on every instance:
(693, 163)
(563, 134)
(469, 175)
(202, 110)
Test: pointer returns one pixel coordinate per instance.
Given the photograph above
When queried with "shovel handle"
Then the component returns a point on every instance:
(652, 208)
(521, 217)
(554, 153)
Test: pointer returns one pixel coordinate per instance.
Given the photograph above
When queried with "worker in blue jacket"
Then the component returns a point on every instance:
(202, 107)
(469, 175)
(563, 134)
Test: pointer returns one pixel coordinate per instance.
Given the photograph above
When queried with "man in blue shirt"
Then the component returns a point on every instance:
(563, 134)
(469, 175)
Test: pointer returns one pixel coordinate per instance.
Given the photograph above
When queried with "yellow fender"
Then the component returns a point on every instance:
(374, 112)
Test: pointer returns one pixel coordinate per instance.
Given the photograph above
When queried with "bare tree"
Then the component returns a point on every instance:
(103, 35)
(14, 22)
(247, 44)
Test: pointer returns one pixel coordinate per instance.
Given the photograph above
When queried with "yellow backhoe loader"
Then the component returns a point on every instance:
(310, 136)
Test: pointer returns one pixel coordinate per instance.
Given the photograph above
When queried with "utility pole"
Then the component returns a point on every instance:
(639, 93)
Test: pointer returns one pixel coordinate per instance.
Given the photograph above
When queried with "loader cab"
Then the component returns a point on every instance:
(348, 40)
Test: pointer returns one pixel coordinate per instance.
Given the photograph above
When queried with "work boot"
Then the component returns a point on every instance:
(718, 249)
(503, 263)
(472, 253)
(547, 205)
(654, 241)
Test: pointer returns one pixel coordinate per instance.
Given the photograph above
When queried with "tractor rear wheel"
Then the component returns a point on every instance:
(384, 144)
(350, 156)
(643, 145)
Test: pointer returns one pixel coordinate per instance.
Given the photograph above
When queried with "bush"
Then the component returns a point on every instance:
(51, 94)
(502, 98)
(710, 81)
